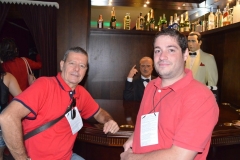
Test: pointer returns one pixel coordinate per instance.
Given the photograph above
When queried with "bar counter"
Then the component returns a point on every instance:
(92, 136)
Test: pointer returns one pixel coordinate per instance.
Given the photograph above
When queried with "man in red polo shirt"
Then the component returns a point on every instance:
(47, 99)
(177, 114)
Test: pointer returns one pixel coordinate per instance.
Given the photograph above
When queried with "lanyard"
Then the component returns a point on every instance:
(154, 107)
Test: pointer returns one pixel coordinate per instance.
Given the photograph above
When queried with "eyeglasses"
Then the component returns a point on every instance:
(73, 112)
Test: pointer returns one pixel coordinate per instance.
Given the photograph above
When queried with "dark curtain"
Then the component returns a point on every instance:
(41, 21)
(3, 13)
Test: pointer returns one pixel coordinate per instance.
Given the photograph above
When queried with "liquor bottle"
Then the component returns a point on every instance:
(218, 18)
(226, 15)
(186, 23)
(236, 12)
(171, 21)
(147, 22)
(160, 23)
(181, 24)
(175, 22)
(211, 19)
(152, 21)
(137, 23)
(204, 24)
(164, 22)
(127, 22)
(113, 19)
(141, 22)
(100, 22)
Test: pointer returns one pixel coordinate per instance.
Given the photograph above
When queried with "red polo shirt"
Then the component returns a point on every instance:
(47, 99)
(188, 113)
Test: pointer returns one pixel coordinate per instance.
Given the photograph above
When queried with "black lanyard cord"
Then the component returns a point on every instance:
(158, 101)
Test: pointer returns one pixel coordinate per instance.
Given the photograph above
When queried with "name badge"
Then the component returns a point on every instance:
(149, 129)
(75, 121)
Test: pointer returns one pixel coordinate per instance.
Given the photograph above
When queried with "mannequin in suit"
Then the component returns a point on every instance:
(134, 87)
(203, 65)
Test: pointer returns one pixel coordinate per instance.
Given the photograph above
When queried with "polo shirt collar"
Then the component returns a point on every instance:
(179, 84)
(62, 83)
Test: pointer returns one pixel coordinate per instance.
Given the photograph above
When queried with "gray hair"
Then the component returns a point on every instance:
(76, 50)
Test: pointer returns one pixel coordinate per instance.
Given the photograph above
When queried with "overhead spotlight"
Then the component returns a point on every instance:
(184, 4)
(144, 5)
(147, 2)
(179, 8)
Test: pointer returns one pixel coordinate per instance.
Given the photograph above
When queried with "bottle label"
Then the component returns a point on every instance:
(151, 26)
(100, 24)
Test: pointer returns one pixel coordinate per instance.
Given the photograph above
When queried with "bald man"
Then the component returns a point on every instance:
(134, 87)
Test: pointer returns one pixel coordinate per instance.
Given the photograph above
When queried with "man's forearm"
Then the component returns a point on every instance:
(13, 137)
(102, 116)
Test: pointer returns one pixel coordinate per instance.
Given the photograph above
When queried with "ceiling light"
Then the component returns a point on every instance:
(147, 2)
(144, 5)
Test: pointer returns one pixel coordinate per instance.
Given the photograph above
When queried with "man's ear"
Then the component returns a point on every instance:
(61, 64)
(185, 54)
(200, 43)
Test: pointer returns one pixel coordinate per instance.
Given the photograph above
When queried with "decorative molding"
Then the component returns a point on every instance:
(49, 4)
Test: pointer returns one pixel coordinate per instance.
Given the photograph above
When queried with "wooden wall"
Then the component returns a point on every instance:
(224, 44)
(111, 56)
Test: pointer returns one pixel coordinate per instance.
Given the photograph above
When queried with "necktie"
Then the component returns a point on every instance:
(147, 80)
(193, 54)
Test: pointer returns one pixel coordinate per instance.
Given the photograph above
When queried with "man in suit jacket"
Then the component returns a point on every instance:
(134, 88)
(203, 65)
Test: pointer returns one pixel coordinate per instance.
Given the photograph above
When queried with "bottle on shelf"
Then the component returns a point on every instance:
(170, 21)
(175, 22)
(198, 27)
(164, 22)
(204, 24)
(218, 18)
(127, 22)
(137, 24)
(211, 20)
(160, 23)
(100, 22)
(152, 21)
(226, 15)
(113, 20)
(147, 22)
(186, 23)
(181, 24)
(236, 12)
(141, 22)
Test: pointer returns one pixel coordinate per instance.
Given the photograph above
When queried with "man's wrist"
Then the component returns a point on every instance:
(129, 79)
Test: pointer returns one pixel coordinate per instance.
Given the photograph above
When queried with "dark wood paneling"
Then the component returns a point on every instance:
(72, 25)
(224, 44)
(111, 57)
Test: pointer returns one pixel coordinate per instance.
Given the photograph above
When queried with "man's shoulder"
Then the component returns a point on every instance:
(205, 54)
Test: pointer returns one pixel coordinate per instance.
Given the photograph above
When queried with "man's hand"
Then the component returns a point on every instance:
(126, 155)
(128, 144)
(110, 126)
(132, 72)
